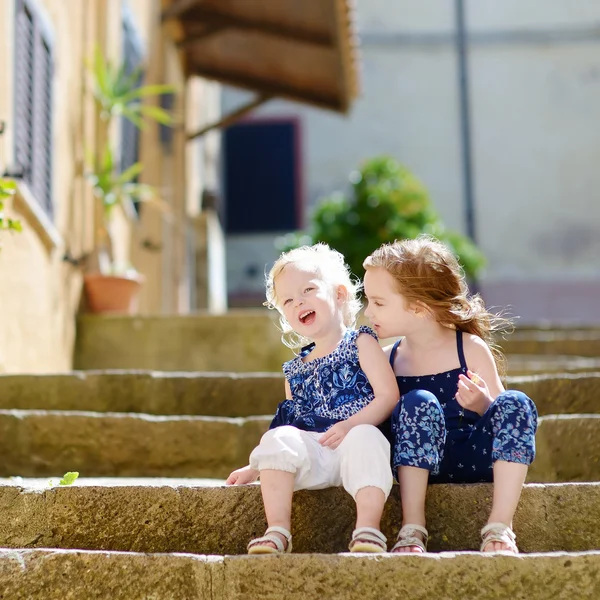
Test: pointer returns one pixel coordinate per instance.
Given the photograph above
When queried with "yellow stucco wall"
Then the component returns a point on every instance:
(40, 293)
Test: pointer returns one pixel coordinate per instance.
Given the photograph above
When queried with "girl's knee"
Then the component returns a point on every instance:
(416, 400)
(280, 449)
(516, 402)
(365, 434)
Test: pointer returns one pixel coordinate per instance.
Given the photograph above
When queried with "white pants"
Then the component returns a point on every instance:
(361, 460)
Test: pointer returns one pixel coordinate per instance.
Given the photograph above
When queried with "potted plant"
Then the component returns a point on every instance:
(110, 287)
(388, 203)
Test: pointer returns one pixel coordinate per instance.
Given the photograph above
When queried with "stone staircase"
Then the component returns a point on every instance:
(151, 518)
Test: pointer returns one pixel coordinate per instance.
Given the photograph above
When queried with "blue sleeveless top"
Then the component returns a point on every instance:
(325, 390)
(443, 386)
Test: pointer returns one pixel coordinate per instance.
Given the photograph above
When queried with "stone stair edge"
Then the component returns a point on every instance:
(222, 520)
(41, 573)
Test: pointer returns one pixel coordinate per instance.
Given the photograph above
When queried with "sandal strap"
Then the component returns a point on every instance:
(406, 537)
(498, 532)
(410, 529)
(269, 537)
(369, 534)
(282, 530)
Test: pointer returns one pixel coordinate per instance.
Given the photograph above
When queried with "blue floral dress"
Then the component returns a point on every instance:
(432, 431)
(327, 389)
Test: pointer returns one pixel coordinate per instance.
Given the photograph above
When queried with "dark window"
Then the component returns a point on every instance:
(132, 58)
(261, 177)
(33, 104)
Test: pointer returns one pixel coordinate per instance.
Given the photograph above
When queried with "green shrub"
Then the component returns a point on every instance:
(387, 203)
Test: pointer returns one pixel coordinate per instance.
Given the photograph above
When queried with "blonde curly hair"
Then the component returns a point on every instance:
(330, 266)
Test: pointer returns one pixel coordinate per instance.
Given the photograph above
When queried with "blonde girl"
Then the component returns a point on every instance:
(338, 389)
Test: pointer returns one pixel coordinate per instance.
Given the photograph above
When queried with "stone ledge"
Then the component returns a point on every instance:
(221, 520)
(49, 443)
(232, 394)
(59, 574)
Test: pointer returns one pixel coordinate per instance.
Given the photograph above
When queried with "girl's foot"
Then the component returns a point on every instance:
(498, 537)
(277, 540)
(411, 539)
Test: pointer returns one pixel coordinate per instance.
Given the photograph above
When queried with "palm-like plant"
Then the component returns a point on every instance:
(118, 94)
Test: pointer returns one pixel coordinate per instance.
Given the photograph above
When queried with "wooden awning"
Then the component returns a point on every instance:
(303, 50)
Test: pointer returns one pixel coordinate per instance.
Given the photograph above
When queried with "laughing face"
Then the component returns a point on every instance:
(310, 305)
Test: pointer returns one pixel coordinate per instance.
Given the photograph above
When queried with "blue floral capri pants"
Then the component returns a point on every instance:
(463, 454)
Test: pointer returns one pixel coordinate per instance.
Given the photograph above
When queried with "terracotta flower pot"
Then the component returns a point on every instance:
(112, 293)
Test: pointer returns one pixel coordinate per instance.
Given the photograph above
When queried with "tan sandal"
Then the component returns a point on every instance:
(368, 539)
(406, 538)
(499, 532)
(258, 545)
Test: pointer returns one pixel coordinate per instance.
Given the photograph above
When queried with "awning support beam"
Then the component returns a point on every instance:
(232, 117)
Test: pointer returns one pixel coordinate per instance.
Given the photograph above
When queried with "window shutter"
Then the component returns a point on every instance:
(130, 134)
(33, 105)
(24, 52)
(42, 128)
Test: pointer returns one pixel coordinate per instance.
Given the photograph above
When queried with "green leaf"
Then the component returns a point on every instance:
(157, 114)
(69, 478)
(149, 90)
(130, 174)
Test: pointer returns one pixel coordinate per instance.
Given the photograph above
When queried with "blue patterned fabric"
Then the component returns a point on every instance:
(325, 390)
(431, 430)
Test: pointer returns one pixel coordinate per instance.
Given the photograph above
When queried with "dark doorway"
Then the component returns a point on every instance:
(261, 177)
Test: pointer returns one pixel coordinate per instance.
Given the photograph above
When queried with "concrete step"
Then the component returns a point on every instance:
(241, 340)
(221, 520)
(232, 394)
(49, 443)
(246, 340)
(150, 392)
(571, 342)
(540, 364)
(59, 574)
(37, 443)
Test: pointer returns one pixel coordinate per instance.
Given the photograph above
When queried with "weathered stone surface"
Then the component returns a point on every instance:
(571, 342)
(441, 577)
(246, 340)
(561, 393)
(535, 364)
(221, 520)
(49, 443)
(59, 574)
(568, 449)
(233, 394)
(241, 341)
(150, 392)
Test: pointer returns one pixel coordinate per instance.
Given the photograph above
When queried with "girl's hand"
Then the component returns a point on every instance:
(243, 476)
(333, 437)
(473, 393)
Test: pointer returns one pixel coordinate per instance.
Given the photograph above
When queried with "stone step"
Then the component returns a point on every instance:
(245, 340)
(150, 392)
(241, 341)
(58, 574)
(535, 364)
(571, 342)
(232, 394)
(221, 520)
(49, 443)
